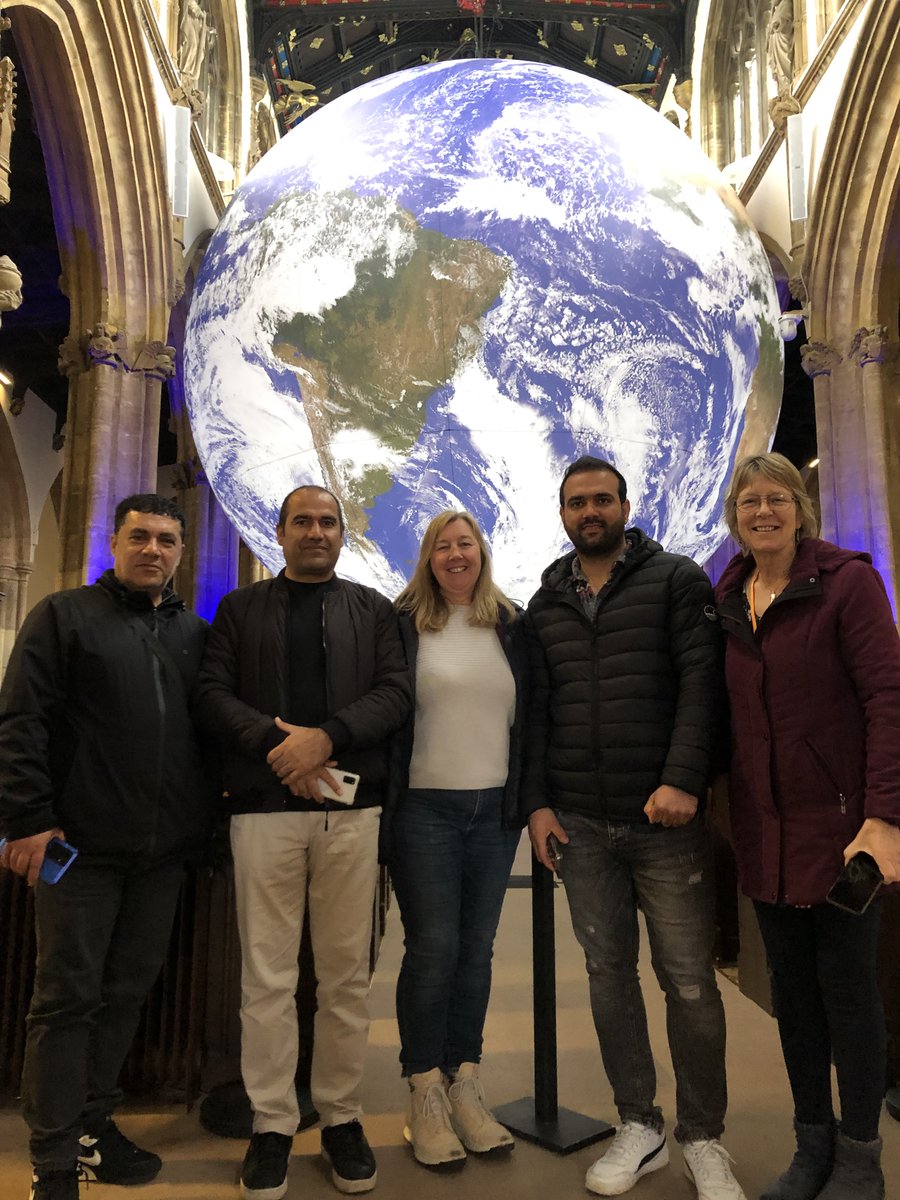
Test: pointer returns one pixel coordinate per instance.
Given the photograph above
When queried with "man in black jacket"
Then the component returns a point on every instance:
(625, 679)
(303, 672)
(97, 747)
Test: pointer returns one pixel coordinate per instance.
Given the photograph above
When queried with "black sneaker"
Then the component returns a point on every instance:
(108, 1156)
(55, 1185)
(264, 1173)
(352, 1161)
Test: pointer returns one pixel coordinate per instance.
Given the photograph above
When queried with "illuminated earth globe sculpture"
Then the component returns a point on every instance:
(445, 285)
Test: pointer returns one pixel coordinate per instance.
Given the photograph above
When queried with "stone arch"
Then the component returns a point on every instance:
(95, 107)
(852, 275)
(852, 280)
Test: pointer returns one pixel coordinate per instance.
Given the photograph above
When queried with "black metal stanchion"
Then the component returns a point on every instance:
(539, 1118)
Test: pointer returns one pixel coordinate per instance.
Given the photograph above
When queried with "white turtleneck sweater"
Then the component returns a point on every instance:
(465, 704)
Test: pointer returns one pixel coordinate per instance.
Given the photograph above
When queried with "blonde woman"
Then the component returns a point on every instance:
(454, 830)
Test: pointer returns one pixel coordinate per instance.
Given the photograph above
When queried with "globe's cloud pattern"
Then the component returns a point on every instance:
(442, 287)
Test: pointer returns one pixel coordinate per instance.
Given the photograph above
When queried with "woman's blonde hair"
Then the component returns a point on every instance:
(423, 598)
(781, 471)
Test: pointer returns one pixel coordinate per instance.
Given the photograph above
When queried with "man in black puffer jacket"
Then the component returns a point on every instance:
(625, 695)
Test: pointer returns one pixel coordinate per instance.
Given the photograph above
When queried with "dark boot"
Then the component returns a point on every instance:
(857, 1171)
(810, 1167)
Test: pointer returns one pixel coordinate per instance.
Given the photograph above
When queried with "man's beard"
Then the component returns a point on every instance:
(599, 539)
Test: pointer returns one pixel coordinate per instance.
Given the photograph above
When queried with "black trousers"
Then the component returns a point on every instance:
(102, 935)
(827, 1004)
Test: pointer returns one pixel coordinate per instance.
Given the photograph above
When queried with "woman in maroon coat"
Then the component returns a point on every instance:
(813, 675)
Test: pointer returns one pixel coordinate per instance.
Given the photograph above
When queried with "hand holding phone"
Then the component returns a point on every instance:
(554, 853)
(857, 885)
(348, 781)
(58, 857)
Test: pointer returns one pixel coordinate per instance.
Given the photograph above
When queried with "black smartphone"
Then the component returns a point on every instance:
(553, 852)
(857, 885)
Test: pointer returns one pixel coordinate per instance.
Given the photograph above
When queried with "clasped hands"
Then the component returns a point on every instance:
(302, 760)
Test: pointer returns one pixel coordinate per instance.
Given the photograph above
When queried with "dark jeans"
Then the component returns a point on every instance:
(450, 865)
(102, 936)
(827, 1003)
(610, 869)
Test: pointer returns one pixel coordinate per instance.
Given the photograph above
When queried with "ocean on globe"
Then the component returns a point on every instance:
(439, 289)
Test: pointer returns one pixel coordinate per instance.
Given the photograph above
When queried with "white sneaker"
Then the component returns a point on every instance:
(708, 1165)
(636, 1150)
(473, 1123)
(428, 1129)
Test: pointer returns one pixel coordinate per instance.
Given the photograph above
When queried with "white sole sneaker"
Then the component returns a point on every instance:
(654, 1162)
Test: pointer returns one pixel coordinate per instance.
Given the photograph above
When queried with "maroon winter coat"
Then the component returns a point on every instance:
(815, 719)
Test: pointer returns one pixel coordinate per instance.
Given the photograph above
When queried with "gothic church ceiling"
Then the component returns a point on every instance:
(311, 51)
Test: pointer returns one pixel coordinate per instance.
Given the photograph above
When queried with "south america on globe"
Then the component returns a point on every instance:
(442, 287)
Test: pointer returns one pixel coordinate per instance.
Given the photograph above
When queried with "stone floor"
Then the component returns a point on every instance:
(198, 1166)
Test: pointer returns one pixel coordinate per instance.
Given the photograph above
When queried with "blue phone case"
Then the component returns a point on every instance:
(58, 857)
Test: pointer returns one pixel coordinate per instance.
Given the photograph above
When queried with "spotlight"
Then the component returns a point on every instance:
(5, 379)
(787, 325)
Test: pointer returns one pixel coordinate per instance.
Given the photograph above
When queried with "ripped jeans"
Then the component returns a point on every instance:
(610, 870)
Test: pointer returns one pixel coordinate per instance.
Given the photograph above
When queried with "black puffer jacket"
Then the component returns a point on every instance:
(629, 702)
(244, 681)
(95, 729)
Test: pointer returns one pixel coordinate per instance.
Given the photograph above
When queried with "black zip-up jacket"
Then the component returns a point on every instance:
(244, 681)
(95, 727)
(630, 701)
(510, 631)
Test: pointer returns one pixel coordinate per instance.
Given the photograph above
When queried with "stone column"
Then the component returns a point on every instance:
(13, 601)
(871, 355)
(209, 567)
(250, 569)
(819, 360)
(858, 494)
(112, 435)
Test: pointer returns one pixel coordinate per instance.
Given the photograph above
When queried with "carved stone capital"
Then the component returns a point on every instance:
(17, 406)
(869, 345)
(818, 358)
(187, 473)
(781, 107)
(105, 345)
(72, 359)
(10, 285)
(59, 439)
(156, 360)
(799, 290)
(196, 100)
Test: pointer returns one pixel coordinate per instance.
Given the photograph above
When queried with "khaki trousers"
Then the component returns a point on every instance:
(279, 858)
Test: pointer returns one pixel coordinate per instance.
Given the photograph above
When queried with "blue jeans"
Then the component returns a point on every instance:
(827, 1003)
(450, 863)
(610, 870)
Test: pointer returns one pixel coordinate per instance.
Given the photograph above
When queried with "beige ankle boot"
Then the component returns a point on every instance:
(474, 1124)
(428, 1129)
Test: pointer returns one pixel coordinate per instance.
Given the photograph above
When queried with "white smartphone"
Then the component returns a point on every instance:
(348, 781)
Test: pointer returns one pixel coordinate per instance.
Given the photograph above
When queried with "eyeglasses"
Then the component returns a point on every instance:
(754, 503)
